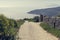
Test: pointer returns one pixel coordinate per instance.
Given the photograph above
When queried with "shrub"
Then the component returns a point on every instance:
(8, 27)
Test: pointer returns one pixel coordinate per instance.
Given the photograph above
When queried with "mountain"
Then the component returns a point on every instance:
(47, 11)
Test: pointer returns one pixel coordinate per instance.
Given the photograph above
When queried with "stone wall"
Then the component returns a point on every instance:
(54, 22)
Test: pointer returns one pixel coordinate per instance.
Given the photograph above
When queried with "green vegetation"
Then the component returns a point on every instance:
(20, 22)
(30, 20)
(50, 29)
(35, 19)
(8, 27)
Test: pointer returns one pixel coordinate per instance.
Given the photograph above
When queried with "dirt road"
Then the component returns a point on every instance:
(32, 31)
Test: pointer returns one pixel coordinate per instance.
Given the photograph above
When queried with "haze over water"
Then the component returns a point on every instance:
(18, 9)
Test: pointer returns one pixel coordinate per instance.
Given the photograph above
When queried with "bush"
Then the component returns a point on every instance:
(28, 19)
(36, 19)
(20, 22)
(8, 27)
(50, 29)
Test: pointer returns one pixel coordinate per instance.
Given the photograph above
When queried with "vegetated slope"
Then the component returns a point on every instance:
(8, 28)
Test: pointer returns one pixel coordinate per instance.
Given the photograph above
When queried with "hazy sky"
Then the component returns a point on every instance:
(19, 8)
